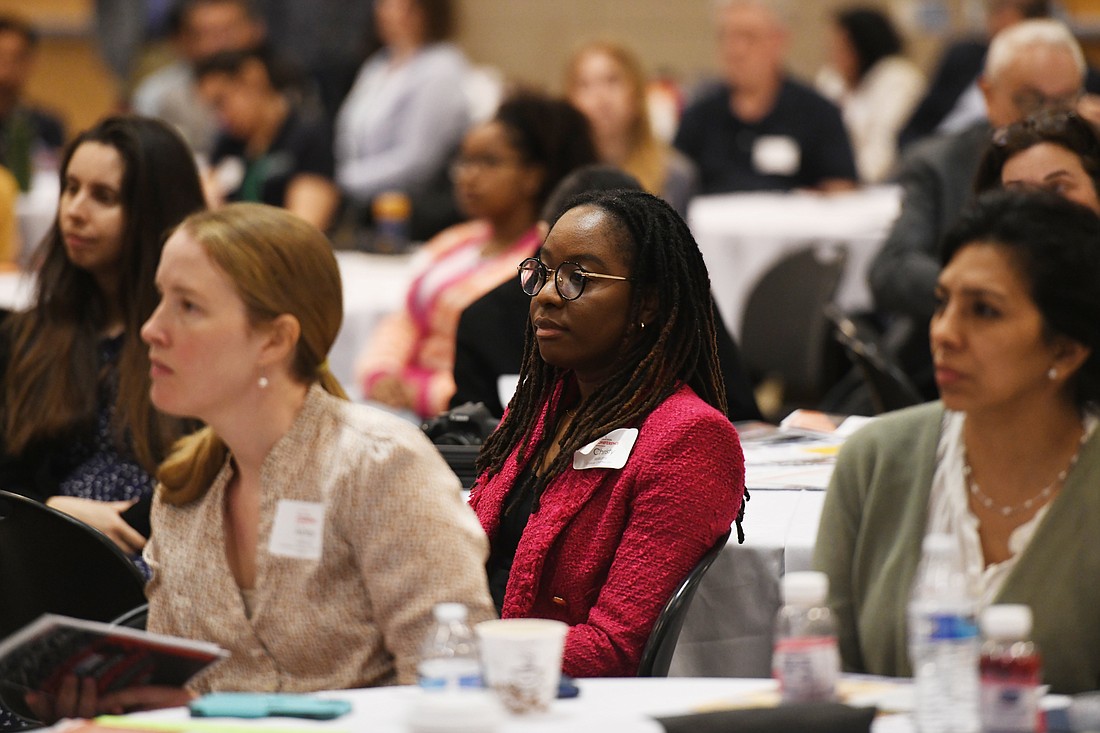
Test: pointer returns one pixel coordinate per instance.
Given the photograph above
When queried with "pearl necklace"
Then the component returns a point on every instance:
(1037, 500)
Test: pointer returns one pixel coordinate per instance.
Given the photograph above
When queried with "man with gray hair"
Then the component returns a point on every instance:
(1031, 66)
(761, 130)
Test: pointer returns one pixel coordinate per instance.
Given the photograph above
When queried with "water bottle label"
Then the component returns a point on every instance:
(806, 668)
(471, 682)
(1008, 707)
(436, 674)
(949, 626)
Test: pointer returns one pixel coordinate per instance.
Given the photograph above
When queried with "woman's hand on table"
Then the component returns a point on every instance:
(106, 516)
(78, 698)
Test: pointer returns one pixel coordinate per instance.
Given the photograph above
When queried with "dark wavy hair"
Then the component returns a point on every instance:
(1065, 129)
(871, 34)
(50, 385)
(1055, 246)
(282, 75)
(549, 133)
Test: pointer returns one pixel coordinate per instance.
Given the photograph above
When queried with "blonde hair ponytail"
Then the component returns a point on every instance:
(329, 382)
(191, 467)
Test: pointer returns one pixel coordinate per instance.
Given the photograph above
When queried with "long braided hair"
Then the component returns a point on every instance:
(666, 268)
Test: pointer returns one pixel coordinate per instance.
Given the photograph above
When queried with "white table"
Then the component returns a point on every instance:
(742, 235)
(35, 211)
(604, 706)
(374, 286)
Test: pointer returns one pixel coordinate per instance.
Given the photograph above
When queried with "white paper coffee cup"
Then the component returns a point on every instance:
(521, 661)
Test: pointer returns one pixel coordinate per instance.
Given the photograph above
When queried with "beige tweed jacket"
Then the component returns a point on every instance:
(396, 539)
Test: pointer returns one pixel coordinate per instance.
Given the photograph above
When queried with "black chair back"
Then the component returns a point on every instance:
(657, 655)
(888, 387)
(784, 331)
(53, 563)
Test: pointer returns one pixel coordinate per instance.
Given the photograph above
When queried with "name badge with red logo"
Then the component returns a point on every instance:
(298, 530)
(610, 451)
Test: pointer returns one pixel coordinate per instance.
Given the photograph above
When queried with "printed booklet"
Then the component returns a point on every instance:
(40, 655)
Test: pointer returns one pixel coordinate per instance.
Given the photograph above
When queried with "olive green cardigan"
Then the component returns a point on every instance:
(870, 537)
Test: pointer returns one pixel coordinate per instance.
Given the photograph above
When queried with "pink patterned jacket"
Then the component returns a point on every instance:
(417, 343)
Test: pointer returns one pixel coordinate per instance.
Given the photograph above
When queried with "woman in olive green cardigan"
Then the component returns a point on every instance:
(1008, 464)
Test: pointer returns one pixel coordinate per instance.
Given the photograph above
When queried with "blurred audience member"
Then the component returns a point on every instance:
(1057, 151)
(954, 100)
(605, 81)
(272, 148)
(1006, 465)
(78, 430)
(406, 114)
(504, 174)
(874, 85)
(199, 28)
(327, 39)
(762, 130)
(126, 30)
(27, 135)
(491, 331)
(1032, 65)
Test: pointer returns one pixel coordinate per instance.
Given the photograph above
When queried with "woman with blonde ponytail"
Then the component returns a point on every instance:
(279, 528)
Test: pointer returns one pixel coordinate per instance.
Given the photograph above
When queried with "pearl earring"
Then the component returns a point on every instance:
(642, 324)
(1052, 374)
(262, 381)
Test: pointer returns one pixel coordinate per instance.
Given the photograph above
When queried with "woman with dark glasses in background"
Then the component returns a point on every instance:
(615, 468)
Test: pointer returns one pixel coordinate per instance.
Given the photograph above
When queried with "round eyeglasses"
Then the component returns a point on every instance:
(569, 278)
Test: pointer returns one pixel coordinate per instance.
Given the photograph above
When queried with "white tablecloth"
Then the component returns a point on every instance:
(374, 285)
(604, 706)
(742, 235)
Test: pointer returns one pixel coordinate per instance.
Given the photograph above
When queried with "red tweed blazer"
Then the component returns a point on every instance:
(608, 546)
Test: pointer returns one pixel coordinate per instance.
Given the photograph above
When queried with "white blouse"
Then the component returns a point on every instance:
(949, 512)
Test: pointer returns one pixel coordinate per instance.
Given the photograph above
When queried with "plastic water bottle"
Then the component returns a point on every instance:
(449, 660)
(806, 662)
(1010, 672)
(391, 211)
(944, 646)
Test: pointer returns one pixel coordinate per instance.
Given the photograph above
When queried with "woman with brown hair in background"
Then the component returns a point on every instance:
(78, 431)
(606, 82)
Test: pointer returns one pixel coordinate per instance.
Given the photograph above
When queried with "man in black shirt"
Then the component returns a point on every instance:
(760, 129)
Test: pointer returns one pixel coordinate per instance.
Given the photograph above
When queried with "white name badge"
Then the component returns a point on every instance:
(298, 530)
(610, 451)
(777, 155)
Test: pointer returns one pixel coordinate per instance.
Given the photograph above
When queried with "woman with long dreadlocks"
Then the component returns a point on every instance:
(615, 467)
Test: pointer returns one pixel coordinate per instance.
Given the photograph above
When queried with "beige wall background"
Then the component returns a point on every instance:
(533, 39)
(529, 40)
